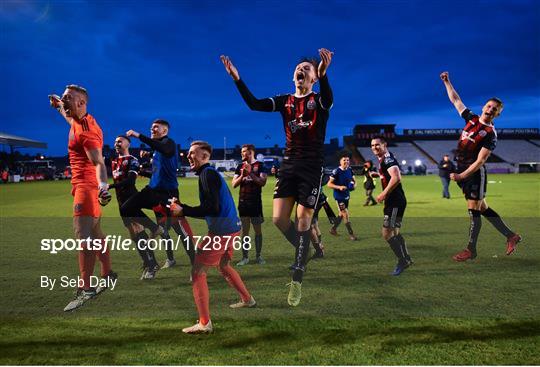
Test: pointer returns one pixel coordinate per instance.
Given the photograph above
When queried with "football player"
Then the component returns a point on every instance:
(478, 139)
(305, 115)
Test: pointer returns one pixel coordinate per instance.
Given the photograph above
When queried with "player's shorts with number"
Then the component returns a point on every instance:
(301, 181)
(393, 214)
(475, 186)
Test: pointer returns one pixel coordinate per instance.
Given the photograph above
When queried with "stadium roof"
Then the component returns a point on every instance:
(18, 141)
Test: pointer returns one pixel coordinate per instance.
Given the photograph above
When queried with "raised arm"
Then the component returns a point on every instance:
(165, 146)
(255, 104)
(56, 103)
(452, 94)
(327, 97)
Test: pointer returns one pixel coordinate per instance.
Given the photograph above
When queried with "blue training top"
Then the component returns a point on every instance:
(342, 178)
(164, 171)
(227, 221)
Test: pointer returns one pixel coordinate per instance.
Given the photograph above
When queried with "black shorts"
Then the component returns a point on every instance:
(475, 186)
(300, 180)
(252, 211)
(121, 200)
(393, 214)
(343, 204)
(148, 198)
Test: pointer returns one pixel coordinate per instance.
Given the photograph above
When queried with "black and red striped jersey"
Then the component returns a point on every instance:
(304, 122)
(249, 190)
(304, 119)
(475, 136)
(121, 167)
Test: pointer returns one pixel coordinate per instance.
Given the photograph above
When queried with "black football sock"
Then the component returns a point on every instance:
(301, 255)
(474, 230)
(291, 234)
(152, 262)
(395, 245)
(139, 244)
(495, 219)
(258, 244)
(168, 245)
(245, 253)
(403, 246)
(298, 275)
(316, 245)
(349, 228)
(337, 222)
(146, 254)
(373, 201)
(329, 213)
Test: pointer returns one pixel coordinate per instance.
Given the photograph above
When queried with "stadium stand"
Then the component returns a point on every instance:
(517, 151)
(437, 148)
(404, 152)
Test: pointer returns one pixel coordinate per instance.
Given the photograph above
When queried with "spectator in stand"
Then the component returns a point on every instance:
(446, 167)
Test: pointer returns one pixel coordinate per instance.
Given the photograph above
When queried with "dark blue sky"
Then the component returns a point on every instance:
(143, 60)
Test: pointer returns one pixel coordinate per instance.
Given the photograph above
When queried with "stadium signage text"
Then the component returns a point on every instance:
(439, 132)
(431, 131)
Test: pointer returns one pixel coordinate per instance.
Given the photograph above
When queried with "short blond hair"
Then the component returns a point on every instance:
(203, 145)
(79, 89)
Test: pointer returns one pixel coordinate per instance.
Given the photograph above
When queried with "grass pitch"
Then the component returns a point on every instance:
(352, 311)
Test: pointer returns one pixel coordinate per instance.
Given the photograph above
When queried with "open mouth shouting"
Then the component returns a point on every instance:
(67, 108)
(300, 77)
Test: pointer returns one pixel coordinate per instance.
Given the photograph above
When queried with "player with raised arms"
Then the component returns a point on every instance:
(305, 114)
(478, 139)
(89, 187)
